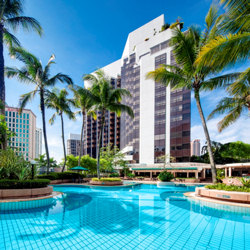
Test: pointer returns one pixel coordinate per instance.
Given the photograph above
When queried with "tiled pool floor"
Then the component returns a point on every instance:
(142, 217)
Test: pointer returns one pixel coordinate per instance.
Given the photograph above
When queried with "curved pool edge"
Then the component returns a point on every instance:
(20, 204)
(193, 197)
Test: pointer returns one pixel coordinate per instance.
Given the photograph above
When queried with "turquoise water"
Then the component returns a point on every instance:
(139, 217)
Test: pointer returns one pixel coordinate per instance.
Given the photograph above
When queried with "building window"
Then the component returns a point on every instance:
(10, 113)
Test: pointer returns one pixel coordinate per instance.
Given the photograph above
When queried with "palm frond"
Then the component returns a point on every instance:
(119, 108)
(61, 78)
(21, 74)
(53, 118)
(165, 77)
(230, 118)
(225, 50)
(219, 81)
(9, 39)
(25, 98)
(27, 23)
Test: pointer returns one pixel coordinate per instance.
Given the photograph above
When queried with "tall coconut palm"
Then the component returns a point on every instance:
(187, 74)
(83, 100)
(58, 101)
(235, 105)
(106, 99)
(10, 20)
(34, 73)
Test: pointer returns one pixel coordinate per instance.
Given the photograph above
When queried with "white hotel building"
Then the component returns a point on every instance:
(162, 116)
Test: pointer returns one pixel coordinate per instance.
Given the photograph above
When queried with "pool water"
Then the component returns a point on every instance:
(138, 217)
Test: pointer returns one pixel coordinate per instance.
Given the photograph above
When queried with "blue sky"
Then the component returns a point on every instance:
(85, 35)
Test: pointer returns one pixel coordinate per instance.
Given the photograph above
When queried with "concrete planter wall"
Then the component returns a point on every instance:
(243, 197)
(60, 181)
(106, 183)
(25, 193)
(188, 180)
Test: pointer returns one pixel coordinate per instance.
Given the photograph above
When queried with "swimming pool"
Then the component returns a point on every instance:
(138, 217)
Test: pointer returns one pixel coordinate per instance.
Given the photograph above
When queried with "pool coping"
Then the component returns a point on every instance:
(54, 193)
(95, 186)
(230, 203)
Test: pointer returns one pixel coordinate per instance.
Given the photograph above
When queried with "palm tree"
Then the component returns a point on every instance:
(84, 100)
(235, 105)
(232, 42)
(10, 20)
(106, 99)
(33, 72)
(187, 74)
(58, 100)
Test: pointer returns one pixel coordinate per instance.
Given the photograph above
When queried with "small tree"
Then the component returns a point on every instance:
(166, 159)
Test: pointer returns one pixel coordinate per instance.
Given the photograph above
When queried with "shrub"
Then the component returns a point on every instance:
(13, 166)
(245, 182)
(140, 177)
(130, 175)
(222, 186)
(165, 176)
(106, 179)
(114, 175)
(220, 174)
(60, 176)
(17, 184)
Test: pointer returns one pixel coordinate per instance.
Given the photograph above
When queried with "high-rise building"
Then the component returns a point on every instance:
(111, 133)
(161, 125)
(24, 127)
(38, 142)
(195, 147)
(73, 145)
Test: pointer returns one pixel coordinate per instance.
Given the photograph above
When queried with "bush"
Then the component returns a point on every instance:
(17, 184)
(245, 182)
(165, 176)
(106, 179)
(60, 176)
(131, 175)
(114, 175)
(140, 177)
(222, 186)
(13, 166)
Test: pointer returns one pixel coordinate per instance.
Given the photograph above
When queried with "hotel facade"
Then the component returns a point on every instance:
(24, 127)
(161, 125)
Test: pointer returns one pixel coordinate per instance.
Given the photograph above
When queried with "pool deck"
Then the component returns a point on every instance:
(192, 195)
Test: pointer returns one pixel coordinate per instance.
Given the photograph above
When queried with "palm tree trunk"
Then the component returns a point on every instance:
(81, 139)
(64, 149)
(44, 129)
(2, 85)
(100, 143)
(209, 147)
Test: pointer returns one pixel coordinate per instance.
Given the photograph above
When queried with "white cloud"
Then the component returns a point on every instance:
(239, 131)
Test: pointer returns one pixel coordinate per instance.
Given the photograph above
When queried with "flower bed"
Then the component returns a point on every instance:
(106, 181)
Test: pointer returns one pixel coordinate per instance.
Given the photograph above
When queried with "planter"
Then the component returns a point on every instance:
(162, 184)
(188, 180)
(60, 181)
(25, 193)
(106, 183)
(233, 196)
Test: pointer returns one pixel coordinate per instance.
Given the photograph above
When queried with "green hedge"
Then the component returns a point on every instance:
(106, 179)
(222, 186)
(16, 184)
(60, 176)
(165, 176)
